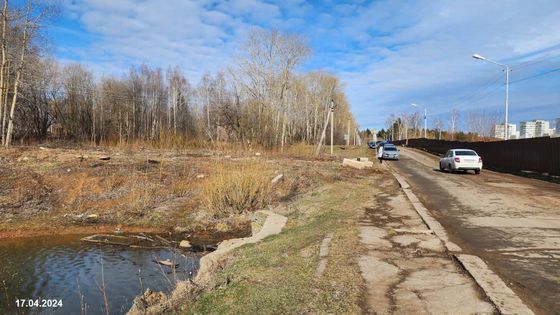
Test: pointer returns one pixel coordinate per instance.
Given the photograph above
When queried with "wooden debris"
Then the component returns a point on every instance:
(167, 263)
(277, 178)
(105, 158)
(163, 240)
(140, 241)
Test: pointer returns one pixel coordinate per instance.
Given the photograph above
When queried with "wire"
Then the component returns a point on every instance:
(479, 93)
(535, 76)
(534, 61)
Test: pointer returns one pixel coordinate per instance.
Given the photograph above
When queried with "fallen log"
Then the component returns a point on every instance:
(140, 241)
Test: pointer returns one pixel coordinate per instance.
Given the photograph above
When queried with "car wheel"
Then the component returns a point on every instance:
(440, 167)
(477, 172)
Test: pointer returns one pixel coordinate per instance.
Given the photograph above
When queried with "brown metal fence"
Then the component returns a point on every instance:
(540, 155)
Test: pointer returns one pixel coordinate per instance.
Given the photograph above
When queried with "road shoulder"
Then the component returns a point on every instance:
(406, 266)
(493, 287)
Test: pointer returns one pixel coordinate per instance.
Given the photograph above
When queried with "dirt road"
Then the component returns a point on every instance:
(512, 223)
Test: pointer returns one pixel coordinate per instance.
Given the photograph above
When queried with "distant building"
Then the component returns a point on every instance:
(499, 131)
(527, 129)
(542, 128)
(535, 128)
(558, 126)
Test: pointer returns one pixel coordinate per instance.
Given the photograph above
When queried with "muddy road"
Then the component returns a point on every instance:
(513, 223)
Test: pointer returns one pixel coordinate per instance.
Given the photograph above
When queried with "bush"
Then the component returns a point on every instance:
(237, 188)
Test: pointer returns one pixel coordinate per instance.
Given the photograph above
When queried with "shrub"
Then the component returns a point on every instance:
(237, 188)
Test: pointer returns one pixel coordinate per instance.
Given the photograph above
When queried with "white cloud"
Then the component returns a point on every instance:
(388, 53)
(426, 50)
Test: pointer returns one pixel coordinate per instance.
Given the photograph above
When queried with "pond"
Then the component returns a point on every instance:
(79, 275)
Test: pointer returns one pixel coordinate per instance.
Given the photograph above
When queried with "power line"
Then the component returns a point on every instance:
(534, 61)
(480, 93)
(536, 75)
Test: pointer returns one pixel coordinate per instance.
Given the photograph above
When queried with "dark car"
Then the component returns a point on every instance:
(372, 144)
(383, 143)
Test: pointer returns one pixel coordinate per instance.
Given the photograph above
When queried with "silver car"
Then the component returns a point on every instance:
(390, 152)
(461, 160)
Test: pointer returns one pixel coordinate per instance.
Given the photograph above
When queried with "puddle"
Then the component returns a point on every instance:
(64, 268)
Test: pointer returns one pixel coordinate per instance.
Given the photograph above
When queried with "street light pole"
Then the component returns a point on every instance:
(506, 129)
(332, 127)
(506, 68)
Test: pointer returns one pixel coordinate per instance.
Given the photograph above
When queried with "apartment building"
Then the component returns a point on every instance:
(499, 131)
(535, 128)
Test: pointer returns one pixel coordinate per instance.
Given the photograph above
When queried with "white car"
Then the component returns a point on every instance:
(461, 160)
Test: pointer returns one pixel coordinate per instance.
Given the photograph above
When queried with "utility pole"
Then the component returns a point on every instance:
(507, 104)
(332, 126)
(323, 134)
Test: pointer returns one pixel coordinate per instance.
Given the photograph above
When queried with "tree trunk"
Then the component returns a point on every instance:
(18, 76)
(3, 69)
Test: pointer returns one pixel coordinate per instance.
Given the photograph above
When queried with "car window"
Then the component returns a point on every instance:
(465, 153)
(387, 148)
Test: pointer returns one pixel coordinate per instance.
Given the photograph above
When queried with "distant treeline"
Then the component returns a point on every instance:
(261, 99)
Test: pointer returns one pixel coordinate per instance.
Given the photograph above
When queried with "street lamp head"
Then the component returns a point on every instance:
(477, 56)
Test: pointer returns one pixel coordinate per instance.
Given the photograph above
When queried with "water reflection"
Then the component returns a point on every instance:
(65, 268)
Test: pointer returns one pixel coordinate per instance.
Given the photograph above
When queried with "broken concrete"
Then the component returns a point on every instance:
(323, 253)
(501, 295)
(406, 267)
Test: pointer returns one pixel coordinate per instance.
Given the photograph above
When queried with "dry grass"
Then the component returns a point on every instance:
(238, 188)
(44, 188)
(277, 276)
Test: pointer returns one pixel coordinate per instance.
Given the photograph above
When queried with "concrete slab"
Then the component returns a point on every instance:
(497, 291)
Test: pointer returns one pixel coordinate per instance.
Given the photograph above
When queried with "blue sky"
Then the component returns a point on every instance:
(389, 54)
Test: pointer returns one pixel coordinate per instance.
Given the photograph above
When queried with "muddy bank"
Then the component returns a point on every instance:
(157, 303)
(76, 230)
(204, 236)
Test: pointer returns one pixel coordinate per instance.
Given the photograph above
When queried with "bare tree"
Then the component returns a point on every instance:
(438, 123)
(453, 118)
(414, 122)
(26, 27)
